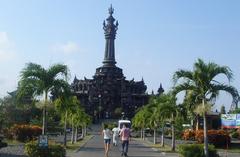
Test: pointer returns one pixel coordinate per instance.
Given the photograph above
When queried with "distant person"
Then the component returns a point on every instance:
(107, 133)
(115, 131)
(125, 138)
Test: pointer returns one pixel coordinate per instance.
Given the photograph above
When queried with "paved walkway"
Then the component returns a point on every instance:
(12, 151)
(95, 148)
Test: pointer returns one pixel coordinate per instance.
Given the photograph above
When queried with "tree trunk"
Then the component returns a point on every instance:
(82, 136)
(76, 135)
(85, 130)
(141, 133)
(44, 119)
(205, 131)
(173, 135)
(162, 139)
(197, 123)
(44, 114)
(65, 130)
(192, 124)
(72, 136)
(144, 134)
(154, 136)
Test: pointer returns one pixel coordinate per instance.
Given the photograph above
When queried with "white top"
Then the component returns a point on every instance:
(107, 134)
(115, 131)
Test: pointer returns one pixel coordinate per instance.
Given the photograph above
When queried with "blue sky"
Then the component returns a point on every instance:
(155, 37)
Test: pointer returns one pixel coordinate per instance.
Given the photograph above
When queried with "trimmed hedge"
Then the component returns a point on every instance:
(196, 150)
(33, 150)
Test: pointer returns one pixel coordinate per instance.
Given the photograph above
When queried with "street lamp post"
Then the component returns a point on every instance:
(99, 106)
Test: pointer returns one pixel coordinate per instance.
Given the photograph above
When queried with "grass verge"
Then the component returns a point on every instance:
(77, 145)
(166, 148)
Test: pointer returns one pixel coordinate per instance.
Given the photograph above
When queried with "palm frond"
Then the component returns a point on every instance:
(184, 74)
(229, 89)
(215, 70)
(186, 86)
(32, 70)
(58, 69)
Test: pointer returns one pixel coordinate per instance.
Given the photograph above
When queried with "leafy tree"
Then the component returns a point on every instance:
(13, 112)
(154, 121)
(65, 105)
(80, 119)
(37, 81)
(141, 120)
(169, 111)
(202, 83)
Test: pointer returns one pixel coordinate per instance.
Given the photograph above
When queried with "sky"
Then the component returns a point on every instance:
(155, 38)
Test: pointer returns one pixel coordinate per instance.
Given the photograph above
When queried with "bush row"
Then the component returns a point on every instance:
(218, 138)
(33, 150)
(23, 132)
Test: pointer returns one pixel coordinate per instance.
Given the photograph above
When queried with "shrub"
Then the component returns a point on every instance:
(24, 132)
(218, 138)
(196, 150)
(33, 150)
(188, 134)
(235, 134)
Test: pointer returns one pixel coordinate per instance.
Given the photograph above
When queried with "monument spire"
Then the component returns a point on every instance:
(110, 29)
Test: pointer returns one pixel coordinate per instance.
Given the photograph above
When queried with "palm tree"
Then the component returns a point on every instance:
(156, 118)
(141, 120)
(153, 119)
(66, 105)
(40, 82)
(203, 84)
(168, 112)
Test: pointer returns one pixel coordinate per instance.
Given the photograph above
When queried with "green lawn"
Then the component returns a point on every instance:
(166, 148)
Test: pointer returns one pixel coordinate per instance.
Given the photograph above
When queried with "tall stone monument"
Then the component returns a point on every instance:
(108, 94)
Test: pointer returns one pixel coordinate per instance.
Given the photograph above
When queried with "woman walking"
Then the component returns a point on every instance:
(107, 138)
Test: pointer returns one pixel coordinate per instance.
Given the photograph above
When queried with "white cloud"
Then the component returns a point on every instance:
(66, 48)
(6, 48)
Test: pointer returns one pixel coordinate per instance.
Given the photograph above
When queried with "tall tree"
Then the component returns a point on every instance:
(168, 112)
(65, 105)
(203, 84)
(40, 82)
(80, 119)
(141, 120)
